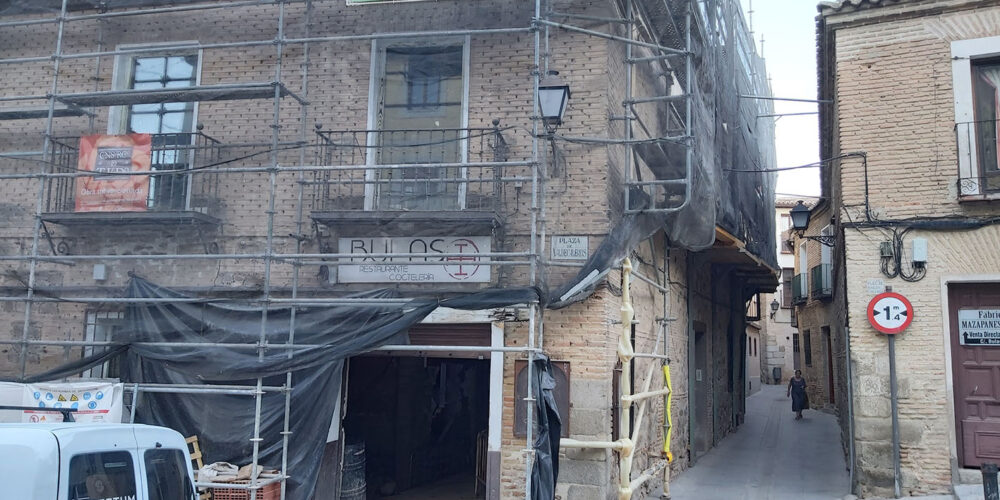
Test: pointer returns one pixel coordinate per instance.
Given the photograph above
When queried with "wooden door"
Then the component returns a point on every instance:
(976, 372)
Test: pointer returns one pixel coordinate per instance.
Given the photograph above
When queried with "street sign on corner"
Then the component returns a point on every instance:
(890, 312)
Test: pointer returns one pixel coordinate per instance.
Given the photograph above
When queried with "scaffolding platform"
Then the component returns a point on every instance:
(197, 93)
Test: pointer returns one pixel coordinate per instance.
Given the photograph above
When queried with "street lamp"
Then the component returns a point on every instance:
(553, 95)
(774, 307)
(800, 215)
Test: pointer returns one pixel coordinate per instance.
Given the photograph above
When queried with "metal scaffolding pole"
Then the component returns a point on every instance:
(36, 235)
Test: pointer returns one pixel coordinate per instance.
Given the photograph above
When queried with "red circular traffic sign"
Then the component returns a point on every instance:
(890, 312)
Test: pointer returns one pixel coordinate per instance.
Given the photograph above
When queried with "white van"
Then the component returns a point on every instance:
(74, 461)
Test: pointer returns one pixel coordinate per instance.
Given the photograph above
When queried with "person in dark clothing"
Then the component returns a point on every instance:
(797, 391)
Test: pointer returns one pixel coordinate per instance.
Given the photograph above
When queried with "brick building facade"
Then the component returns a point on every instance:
(912, 131)
(307, 134)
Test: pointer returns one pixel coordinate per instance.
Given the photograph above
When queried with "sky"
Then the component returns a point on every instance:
(789, 49)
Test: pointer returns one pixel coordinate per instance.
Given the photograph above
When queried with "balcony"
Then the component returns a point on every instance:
(821, 278)
(392, 178)
(978, 162)
(800, 290)
(174, 195)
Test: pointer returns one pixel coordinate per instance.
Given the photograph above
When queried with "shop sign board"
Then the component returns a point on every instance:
(570, 248)
(979, 327)
(113, 158)
(461, 262)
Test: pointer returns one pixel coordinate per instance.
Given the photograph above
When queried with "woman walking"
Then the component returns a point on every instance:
(797, 390)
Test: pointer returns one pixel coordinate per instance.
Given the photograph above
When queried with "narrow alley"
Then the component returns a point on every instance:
(771, 457)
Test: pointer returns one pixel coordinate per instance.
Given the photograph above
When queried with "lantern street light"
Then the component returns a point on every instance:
(774, 307)
(553, 95)
(800, 215)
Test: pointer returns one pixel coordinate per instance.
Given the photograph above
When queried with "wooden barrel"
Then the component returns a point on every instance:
(352, 483)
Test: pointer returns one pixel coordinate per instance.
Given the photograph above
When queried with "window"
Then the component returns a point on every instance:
(786, 287)
(976, 83)
(419, 115)
(986, 104)
(103, 326)
(807, 347)
(795, 351)
(95, 476)
(166, 474)
(172, 124)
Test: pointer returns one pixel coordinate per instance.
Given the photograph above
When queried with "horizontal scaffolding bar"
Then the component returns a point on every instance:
(658, 182)
(194, 387)
(478, 262)
(632, 398)
(271, 42)
(652, 58)
(242, 486)
(583, 17)
(598, 34)
(792, 99)
(279, 169)
(788, 114)
(605, 445)
(289, 256)
(659, 98)
(256, 346)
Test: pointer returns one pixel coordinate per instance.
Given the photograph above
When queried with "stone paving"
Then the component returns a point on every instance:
(770, 457)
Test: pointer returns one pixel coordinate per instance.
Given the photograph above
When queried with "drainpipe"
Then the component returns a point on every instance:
(691, 359)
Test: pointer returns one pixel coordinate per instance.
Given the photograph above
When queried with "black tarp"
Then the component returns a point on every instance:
(176, 339)
(545, 468)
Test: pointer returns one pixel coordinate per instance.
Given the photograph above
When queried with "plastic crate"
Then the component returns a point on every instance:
(268, 492)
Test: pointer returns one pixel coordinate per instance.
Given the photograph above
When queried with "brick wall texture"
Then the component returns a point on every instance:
(894, 100)
(580, 190)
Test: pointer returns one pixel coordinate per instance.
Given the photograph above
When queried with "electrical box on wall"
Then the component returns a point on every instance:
(885, 249)
(920, 250)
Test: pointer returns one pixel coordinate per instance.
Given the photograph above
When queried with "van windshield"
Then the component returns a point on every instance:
(102, 476)
(166, 474)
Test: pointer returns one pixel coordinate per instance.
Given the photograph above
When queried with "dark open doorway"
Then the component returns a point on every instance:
(423, 423)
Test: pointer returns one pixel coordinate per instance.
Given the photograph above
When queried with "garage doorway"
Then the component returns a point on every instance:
(423, 424)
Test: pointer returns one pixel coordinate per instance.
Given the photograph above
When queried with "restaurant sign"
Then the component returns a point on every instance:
(460, 261)
(979, 327)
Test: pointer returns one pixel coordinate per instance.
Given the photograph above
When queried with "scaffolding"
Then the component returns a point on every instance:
(333, 168)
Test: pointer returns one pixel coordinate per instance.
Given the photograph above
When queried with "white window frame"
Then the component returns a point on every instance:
(377, 69)
(963, 53)
(122, 75)
(94, 319)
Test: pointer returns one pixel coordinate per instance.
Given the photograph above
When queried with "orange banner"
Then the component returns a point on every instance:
(111, 156)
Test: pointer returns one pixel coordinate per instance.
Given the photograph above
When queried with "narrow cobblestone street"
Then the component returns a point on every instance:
(771, 457)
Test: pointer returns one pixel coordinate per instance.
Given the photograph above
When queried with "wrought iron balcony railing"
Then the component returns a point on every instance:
(821, 279)
(397, 170)
(978, 161)
(172, 186)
